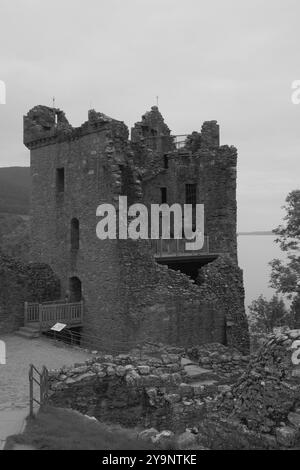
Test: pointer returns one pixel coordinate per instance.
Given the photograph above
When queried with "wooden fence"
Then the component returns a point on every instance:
(49, 313)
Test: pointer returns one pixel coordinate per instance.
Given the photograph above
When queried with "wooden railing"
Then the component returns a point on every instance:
(176, 247)
(49, 313)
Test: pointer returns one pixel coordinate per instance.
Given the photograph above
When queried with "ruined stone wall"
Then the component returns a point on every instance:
(239, 402)
(130, 391)
(225, 279)
(20, 283)
(166, 305)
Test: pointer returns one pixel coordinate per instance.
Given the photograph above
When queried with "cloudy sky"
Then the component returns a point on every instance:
(229, 60)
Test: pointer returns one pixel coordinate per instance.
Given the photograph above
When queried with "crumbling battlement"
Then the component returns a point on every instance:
(44, 126)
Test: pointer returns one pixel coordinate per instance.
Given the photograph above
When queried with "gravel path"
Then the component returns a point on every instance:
(14, 384)
(20, 353)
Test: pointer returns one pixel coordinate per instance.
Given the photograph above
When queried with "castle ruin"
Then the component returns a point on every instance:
(137, 290)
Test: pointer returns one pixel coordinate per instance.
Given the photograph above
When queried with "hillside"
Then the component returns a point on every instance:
(14, 236)
(258, 232)
(14, 190)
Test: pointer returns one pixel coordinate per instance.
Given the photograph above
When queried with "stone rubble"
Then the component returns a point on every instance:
(205, 397)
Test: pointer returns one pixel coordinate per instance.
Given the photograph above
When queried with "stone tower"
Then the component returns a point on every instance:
(131, 292)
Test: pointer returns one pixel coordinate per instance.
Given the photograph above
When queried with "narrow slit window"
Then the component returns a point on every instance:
(75, 234)
(191, 194)
(166, 162)
(163, 195)
(60, 180)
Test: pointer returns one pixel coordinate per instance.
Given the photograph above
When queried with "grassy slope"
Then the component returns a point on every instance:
(14, 235)
(62, 429)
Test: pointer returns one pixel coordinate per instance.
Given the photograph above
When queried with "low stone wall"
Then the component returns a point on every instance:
(156, 386)
(226, 362)
(129, 391)
(235, 402)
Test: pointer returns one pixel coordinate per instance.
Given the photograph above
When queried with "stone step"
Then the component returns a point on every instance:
(205, 387)
(194, 372)
(33, 324)
(27, 332)
(185, 361)
(30, 329)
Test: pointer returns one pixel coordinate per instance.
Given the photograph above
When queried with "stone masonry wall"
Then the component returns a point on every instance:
(225, 279)
(165, 305)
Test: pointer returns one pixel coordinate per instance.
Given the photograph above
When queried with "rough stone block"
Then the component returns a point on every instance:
(294, 419)
(186, 440)
(186, 390)
(286, 436)
(143, 370)
(148, 434)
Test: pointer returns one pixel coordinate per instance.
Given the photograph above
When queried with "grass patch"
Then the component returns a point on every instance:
(63, 429)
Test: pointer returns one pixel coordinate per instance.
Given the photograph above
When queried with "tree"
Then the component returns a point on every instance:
(264, 315)
(285, 276)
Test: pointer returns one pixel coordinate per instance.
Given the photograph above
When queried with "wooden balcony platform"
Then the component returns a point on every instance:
(43, 316)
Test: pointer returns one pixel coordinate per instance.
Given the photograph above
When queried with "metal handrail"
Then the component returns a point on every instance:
(176, 247)
(43, 382)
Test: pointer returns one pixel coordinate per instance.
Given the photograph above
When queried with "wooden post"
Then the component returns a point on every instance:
(31, 391)
(81, 311)
(41, 389)
(46, 385)
(40, 316)
(25, 313)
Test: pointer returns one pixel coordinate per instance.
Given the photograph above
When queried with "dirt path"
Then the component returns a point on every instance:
(20, 353)
(14, 386)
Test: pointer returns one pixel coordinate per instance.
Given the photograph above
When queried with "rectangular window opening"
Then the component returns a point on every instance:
(163, 194)
(166, 162)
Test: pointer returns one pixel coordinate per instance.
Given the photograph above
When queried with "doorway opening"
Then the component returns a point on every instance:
(75, 289)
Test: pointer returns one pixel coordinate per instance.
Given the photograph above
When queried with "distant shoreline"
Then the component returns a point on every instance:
(259, 232)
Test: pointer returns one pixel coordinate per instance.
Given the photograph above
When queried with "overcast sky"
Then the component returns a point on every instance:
(229, 60)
